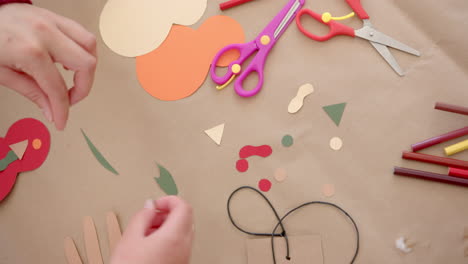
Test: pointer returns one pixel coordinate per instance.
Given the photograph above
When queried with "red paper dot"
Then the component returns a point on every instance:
(264, 185)
(242, 165)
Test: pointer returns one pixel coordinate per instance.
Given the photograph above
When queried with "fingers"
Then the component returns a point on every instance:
(179, 219)
(45, 73)
(141, 223)
(76, 32)
(73, 57)
(24, 85)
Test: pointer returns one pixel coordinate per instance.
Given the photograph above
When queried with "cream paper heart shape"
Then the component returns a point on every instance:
(133, 28)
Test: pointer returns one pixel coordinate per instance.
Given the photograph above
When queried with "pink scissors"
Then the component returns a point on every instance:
(262, 45)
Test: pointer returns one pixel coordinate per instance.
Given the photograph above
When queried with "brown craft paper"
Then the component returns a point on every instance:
(113, 230)
(303, 249)
(385, 114)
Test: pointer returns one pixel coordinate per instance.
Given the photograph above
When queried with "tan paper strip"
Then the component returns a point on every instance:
(113, 230)
(71, 253)
(91, 241)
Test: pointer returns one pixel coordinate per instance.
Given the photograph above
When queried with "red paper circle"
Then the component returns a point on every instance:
(242, 165)
(264, 185)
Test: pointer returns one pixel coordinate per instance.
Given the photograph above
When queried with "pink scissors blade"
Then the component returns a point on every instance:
(265, 42)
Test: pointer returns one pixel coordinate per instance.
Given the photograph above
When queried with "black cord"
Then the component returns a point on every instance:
(281, 220)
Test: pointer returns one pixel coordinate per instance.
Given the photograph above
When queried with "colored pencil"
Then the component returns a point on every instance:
(451, 108)
(430, 176)
(455, 172)
(440, 139)
(454, 149)
(232, 3)
(436, 160)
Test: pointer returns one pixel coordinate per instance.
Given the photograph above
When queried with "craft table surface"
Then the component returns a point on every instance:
(385, 114)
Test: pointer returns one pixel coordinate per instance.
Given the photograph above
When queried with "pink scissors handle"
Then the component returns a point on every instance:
(336, 28)
(257, 66)
(245, 50)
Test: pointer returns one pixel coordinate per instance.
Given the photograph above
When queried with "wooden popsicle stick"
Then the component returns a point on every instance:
(93, 251)
(113, 230)
(71, 253)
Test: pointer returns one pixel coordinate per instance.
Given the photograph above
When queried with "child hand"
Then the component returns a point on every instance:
(161, 233)
(32, 39)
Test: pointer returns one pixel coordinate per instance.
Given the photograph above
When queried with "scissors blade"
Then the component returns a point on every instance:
(287, 18)
(373, 35)
(385, 53)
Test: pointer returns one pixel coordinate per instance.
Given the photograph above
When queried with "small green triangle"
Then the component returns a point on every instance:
(335, 112)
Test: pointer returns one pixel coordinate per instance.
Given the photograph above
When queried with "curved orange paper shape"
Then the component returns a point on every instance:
(179, 66)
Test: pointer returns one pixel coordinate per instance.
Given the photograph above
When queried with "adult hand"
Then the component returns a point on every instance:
(32, 39)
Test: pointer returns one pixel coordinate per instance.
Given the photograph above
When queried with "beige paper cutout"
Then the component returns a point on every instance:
(336, 143)
(328, 190)
(71, 253)
(137, 27)
(303, 250)
(297, 102)
(113, 230)
(19, 148)
(93, 251)
(216, 133)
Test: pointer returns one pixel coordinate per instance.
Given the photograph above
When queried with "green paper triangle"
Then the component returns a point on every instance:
(335, 112)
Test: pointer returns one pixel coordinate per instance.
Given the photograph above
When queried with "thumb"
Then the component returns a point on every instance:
(26, 86)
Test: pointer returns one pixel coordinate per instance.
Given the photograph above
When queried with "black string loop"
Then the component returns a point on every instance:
(281, 220)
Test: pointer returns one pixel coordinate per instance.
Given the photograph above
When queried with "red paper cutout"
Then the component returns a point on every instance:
(264, 185)
(242, 165)
(25, 129)
(249, 151)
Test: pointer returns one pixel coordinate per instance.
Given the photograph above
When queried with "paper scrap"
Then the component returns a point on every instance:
(166, 181)
(93, 251)
(304, 249)
(114, 233)
(336, 143)
(335, 112)
(216, 133)
(97, 154)
(280, 175)
(328, 190)
(287, 141)
(71, 253)
(264, 185)
(20, 147)
(7, 160)
(401, 244)
(262, 151)
(298, 101)
(180, 65)
(133, 28)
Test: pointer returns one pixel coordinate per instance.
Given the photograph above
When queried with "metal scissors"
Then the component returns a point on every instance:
(379, 40)
(262, 45)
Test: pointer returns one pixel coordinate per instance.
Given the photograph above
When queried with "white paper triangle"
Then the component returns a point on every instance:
(20, 148)
(216, 133)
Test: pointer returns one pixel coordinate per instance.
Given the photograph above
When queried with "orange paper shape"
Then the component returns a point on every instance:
(179, 66)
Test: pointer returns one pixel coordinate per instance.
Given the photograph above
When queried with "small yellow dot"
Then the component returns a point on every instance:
(37, 144)
(236, 68)
(326, 17)
(265, 40)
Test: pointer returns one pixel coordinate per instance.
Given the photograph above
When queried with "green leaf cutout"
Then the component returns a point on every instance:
(335, 112)
(5, 162)
(98, 155)
(166, 182)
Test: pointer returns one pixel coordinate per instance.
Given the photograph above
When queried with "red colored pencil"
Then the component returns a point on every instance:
(455, 172)
(440, 139)
(232, 3)
(430, 176)
(436, 160)
(451, 108)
